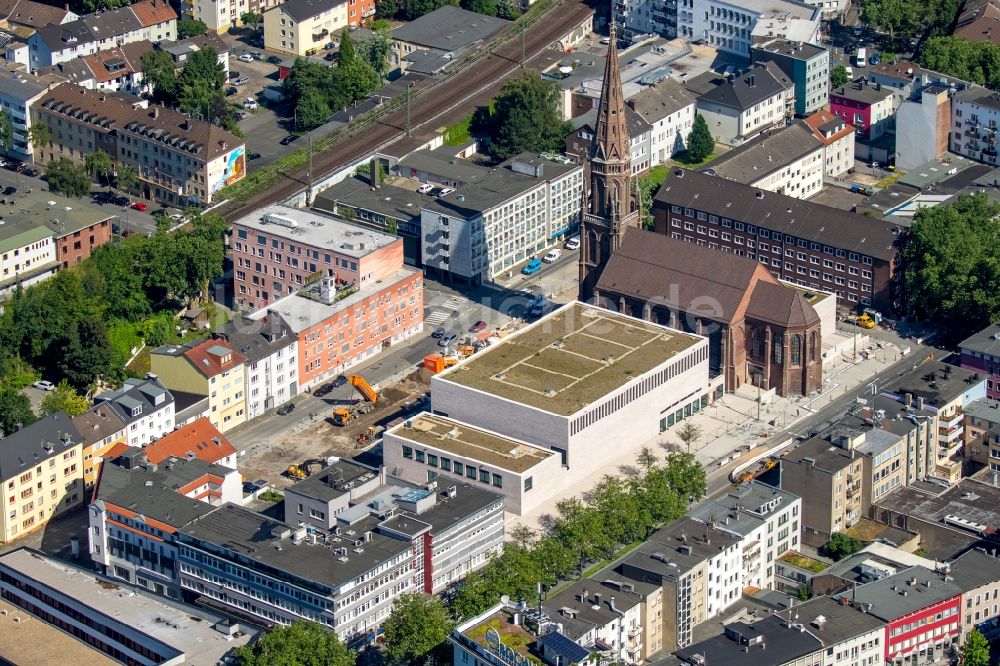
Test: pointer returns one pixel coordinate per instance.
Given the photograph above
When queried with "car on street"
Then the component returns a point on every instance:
(532, 267)
(31, 172)
(478, 326)
(573, 243)
(288, 139)
(257, 55)
(140, 206)
(246, 57)
(274, 60)
(331, 56)
(286, 409)
(339, 381)
(9, 190)
(15, 166)
(253, 156)
(250, 104)
(875, 59)
(438, 333)
(322, 390)
(44, 385)
(605, 40)
(242, 81)
(552, 256)
(447, 340)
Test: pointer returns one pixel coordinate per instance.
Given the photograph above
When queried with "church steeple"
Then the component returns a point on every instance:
(610, 208)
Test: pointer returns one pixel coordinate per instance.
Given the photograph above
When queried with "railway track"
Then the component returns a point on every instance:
(456, 95)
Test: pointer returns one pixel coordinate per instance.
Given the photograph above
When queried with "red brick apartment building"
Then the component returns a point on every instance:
(801, 242)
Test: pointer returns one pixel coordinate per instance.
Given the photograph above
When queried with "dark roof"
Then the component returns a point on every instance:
(568, 649)
(825, 456)
(50, 436)
(772, 151)
(256, 339)
(32, 14)
(329, 484)
(977, 21)
(761, 82)
(647, 263)
(97, 423)
(149, 394)
(974, 501)
(859, 91)
(449, 28)
(590, 611)
(974, 568)
(776, 643)
(401, 203)
(778, 212)
(980, 96)
(937, 382)
(902, 593)
(674, 550)
(658, 101)
(637, 124)
(301, 10)
(839, 622)
(95, 27)
(788, 48)
(986, 341)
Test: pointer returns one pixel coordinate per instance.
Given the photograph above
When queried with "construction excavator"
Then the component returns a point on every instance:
(369, 399)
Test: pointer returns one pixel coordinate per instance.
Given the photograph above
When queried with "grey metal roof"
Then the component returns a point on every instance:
(980, 96)
(937, 382)
(827, 457)
(443, 165)
(661, 100)
(683, 547)
(975, 568)
(21, 86)
(400, 203)
(136, 392)
(449, 28)
(788, 48)
(903, 593)
(329, 484)
(767, 154)
(986, 341)
(50, 436)
(761, 82)
(780, 644)
(301, 10)
(860, 91)
(257, 339)
(833, 622)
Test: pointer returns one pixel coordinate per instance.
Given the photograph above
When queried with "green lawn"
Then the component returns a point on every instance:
(658, 174)
(803, 562)
(458, 134)
(683, 160)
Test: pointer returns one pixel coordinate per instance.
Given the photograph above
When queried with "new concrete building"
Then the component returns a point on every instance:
(211, 368)
(738, 110)
(576, 379)
(41, 469)
(146, 407)
(133, 628)
(278, 249)
(426, 447)
(808, 66)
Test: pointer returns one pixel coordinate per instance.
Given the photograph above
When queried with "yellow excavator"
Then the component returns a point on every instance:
(369, 399)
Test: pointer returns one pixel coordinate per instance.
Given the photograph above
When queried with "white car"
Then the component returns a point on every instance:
(44, 385)
(246, 57)
(425, 188)
(552, 256)
(573, 243)
(250, 104)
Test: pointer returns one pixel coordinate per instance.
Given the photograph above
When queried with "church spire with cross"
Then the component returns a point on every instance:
(610, 206)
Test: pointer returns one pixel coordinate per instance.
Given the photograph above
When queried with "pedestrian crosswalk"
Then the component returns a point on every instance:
(441, 312)
(436, 317)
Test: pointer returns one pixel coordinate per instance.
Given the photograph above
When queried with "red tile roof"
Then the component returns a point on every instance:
(125, 58)
(196, 440)
(152, 12)
(213, 356)
(817, 120)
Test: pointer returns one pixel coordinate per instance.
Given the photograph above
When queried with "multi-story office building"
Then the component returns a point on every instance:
(180, 160)
(808, 244)
(501, 216)
(149, 20)
(138, 507)
(767, 521)
(807, 65)
(338, 326)
(101, 429)
(41, 468)
(730, 27)
(144, 405)
(869, 107)
(211, 368)
(278, 250)
(739, 109)
(272, 365)
(975, 113)
(458, 529)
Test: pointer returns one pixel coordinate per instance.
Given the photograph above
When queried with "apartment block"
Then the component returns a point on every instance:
(580, 140)
(221, 16)
(807, 244)
(297, 26)
(594, 616)
(489, 220)
(146, 407)
(766, 520)
(41, 468)
(138, 507)
(981, 354)
(101, 429)
(278, 250)
(198, 439)
(977, 572)
(740, 109)
(211, 368)
(18, 91)
(34, 15)
(272, 366)
(807, 65)
(837, 138)
(149, 20)
(849, 635)
(337, 326)
(982, 433)
(458, 528)
(975, 112)
(768, 642)
(869, 107)
(669, 109)
(180, 161)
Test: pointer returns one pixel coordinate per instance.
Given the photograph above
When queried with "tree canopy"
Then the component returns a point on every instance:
(526, 116)
(841, 545)
(978, 62)
(408, 10)
(976, 649)
(700, 143)
(15, 410)
(951, 264)
(190, 28)
(197, 90)
(839, 76)
(6, 132)
(315, 89)
(298, 644)
(417, 626)
(64, 398)
(68, 178)
(910, 16)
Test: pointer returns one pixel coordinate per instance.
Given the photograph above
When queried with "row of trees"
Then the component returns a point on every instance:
(616, 512)
(911, 16)
(316, 90)
(80, 324)
(198, 89)
(978, 62)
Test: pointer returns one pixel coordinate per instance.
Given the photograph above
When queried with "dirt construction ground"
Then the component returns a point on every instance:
(319, 438)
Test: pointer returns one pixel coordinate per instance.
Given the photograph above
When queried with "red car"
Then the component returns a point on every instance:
(478, 326)
(140, 206)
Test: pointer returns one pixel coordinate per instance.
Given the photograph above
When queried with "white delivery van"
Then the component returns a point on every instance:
(861, 58)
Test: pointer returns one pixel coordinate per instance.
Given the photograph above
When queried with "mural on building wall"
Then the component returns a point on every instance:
(234, 170)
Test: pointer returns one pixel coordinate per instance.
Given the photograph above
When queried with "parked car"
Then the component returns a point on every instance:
(438, 332)
(286, 409)
(246, 57)
(573, 243)
(31, 172)
(9, 190)
(425, 188)
(331, 56)
(532, 267)
(552, 256)
(875, 59)
(140, 206)
(274, 60)
(233, 74)
(16, 166)
(605, 40)
(339, 381)
(231, 90)
(251, 104)
(253, 156)
(322, 390)
(288, 139)
(447, 340)
(257, 55)
(478, 326)
(240, 115)
(44, 385)
(242, 81)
